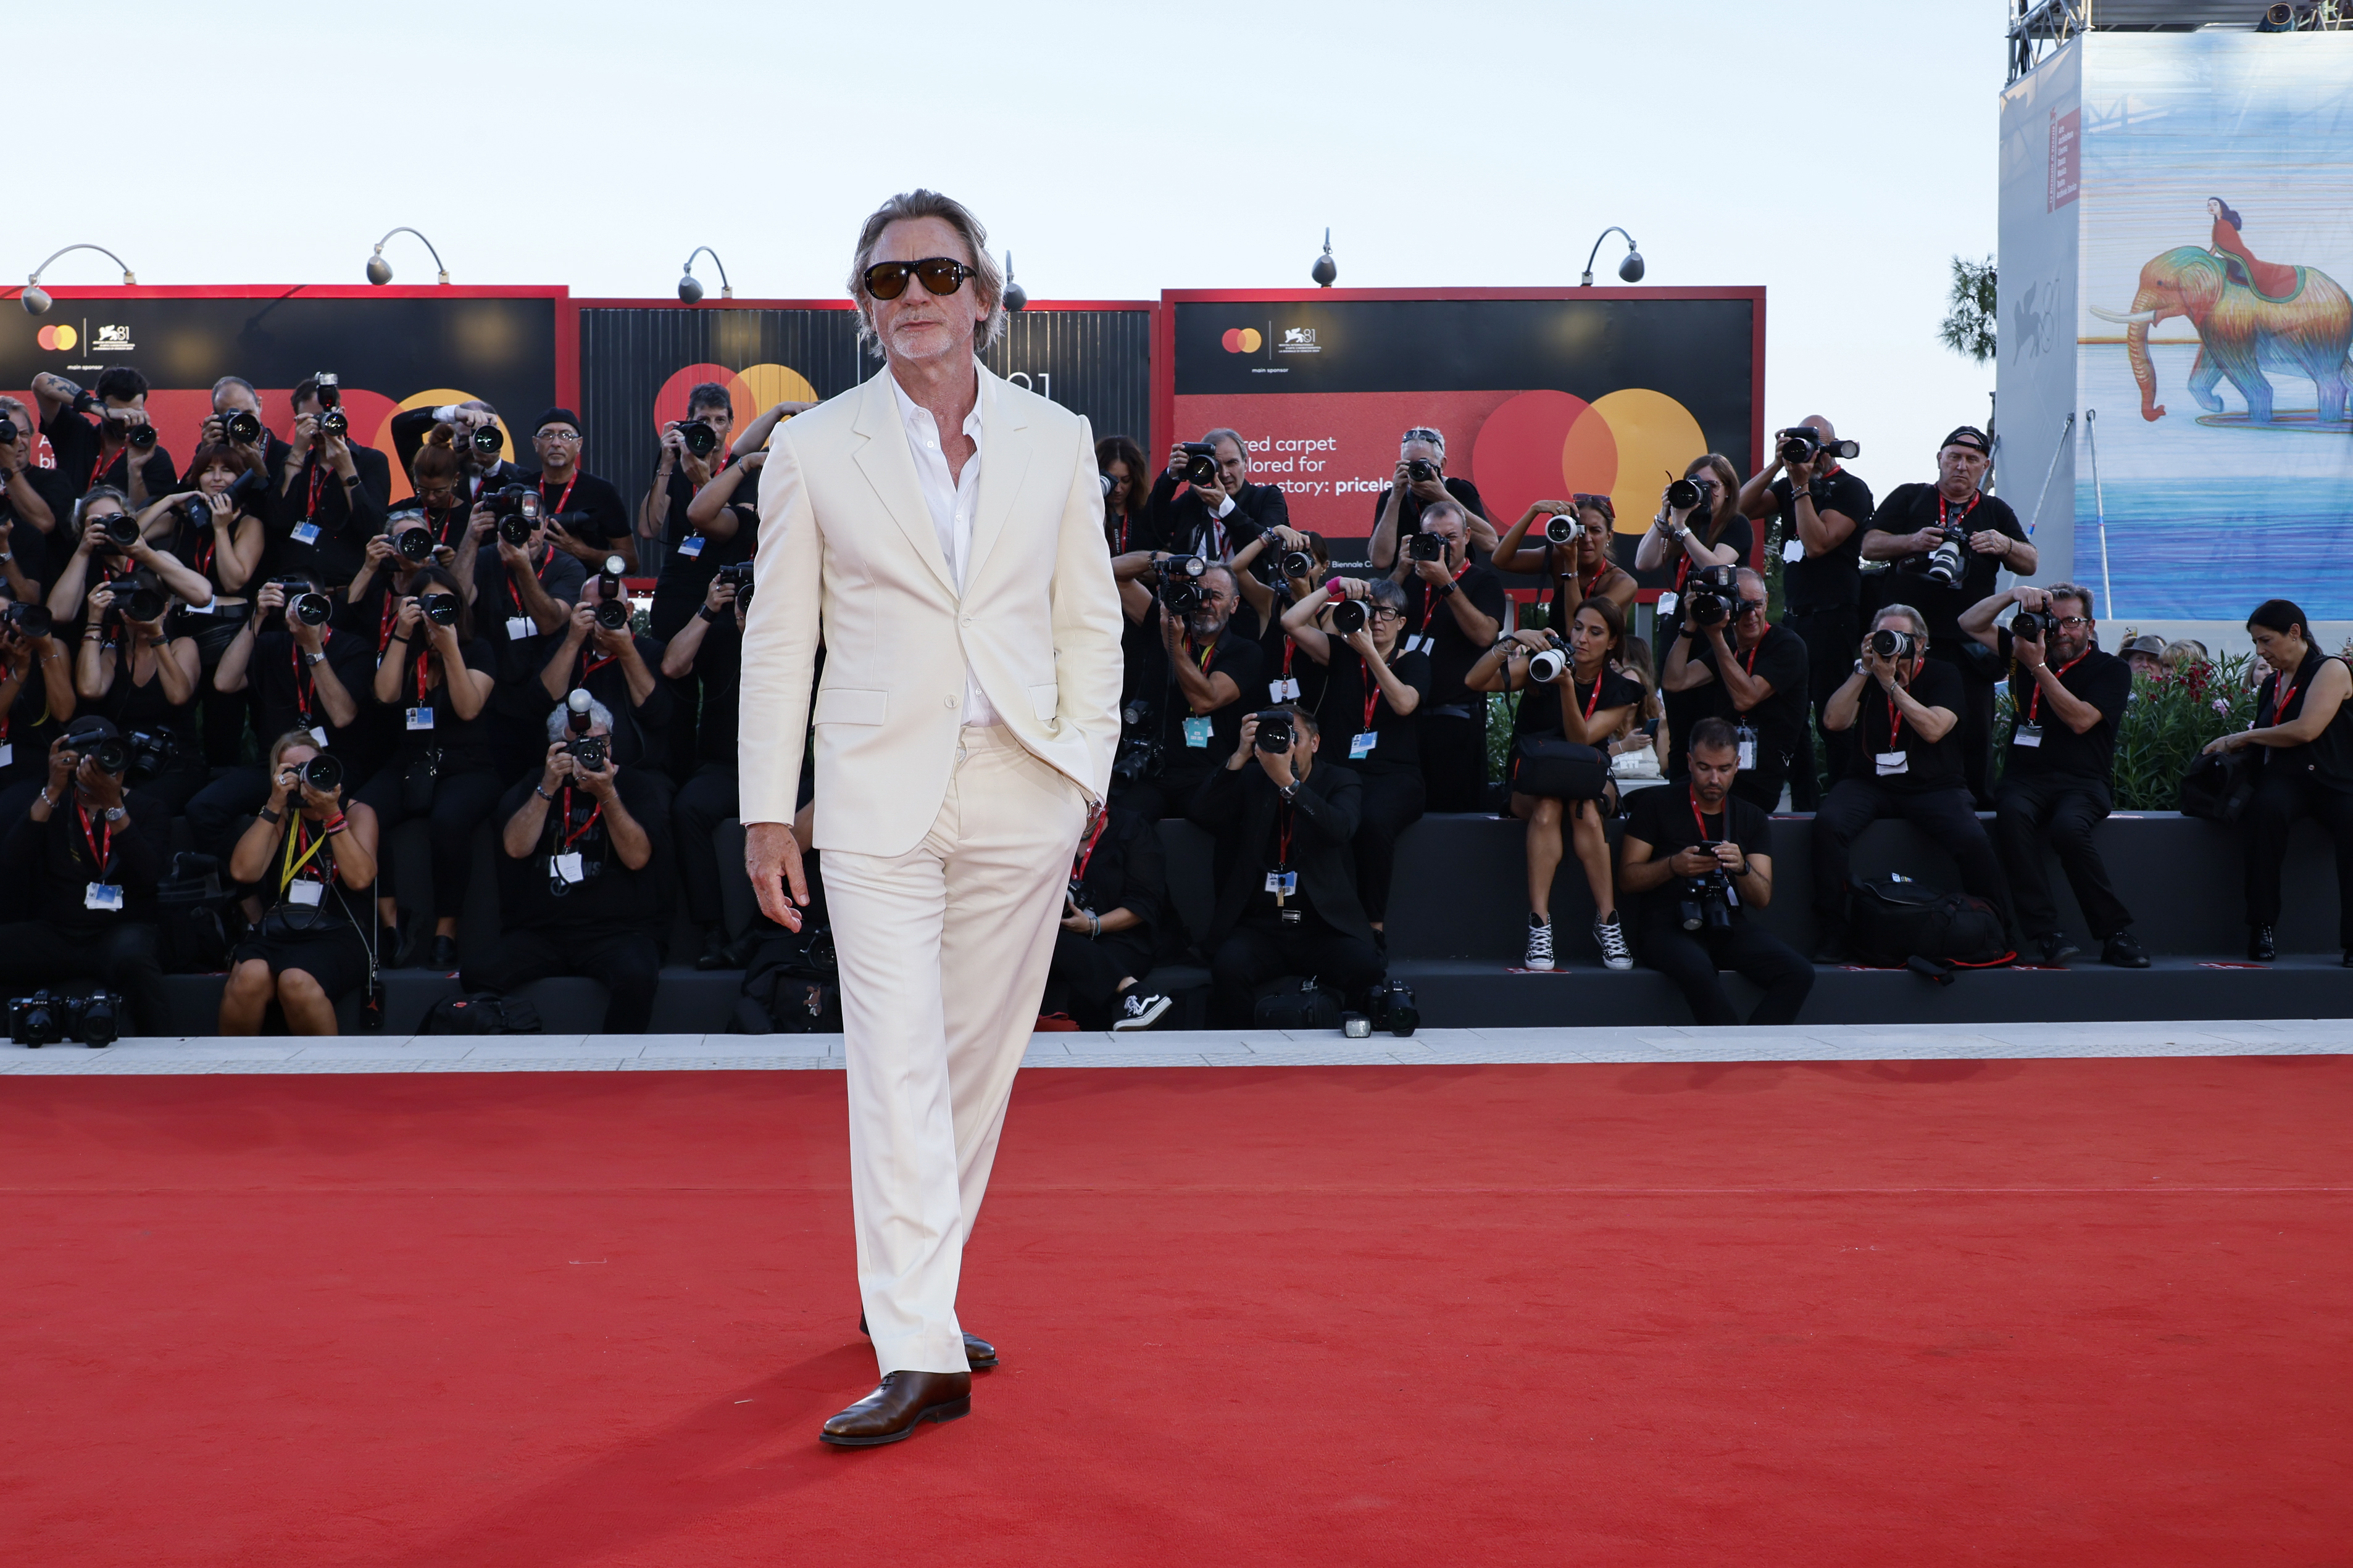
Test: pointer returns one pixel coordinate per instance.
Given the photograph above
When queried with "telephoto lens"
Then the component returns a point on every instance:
(486, 440)
(241, 426)
(1889, 643)
(2032, 625)
(29, 620)
(312, 608)
(145, 604)
(122, 530)
(1348, 617)
(1200, 463)
(1425, 547)
(324, 773)
(441, 609)
(197, 509)
(414, 544)
(701, 439)
(1683, 495)
(1274, 730)
(1944, 562)
(1548, 666)
(1560, 528)
(142, 436)
(1297, 564)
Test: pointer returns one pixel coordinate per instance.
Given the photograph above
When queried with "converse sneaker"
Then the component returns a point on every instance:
(1539, 943)
(1140, 1012)
(1612, 939)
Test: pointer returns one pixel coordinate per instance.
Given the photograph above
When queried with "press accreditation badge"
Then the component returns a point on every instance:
(1283, 884)
(691, 546)
(1668, 602)
(565, 867)
(7, 753)
(1793, 551)
(420, 718)
(1197, 732)
(102, 896)
(520, 627)
(1285, 690)
(306, 533)
(318, 739)
(1893, 763)
(1361, 746)
(306, 892)
(2027, 736)
(1747, 739)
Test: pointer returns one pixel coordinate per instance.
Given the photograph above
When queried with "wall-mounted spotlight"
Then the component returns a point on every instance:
(1631, 269)
(690, 290)
(1016, 296)
(379, 270)
(1326, 270)
(36, 298)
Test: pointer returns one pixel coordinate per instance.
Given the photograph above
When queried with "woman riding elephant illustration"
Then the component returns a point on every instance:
(2252, 316)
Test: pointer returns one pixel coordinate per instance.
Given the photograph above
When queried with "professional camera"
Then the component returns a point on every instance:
(1711, 593)
(152, 751)
(738, 572)
(1200, 463)
(1889, 643)
(241, 426)
(1947, 563)
(29, 620)
(414, 542)
(1560, 528)
(1548, 664)
(1683, 495)
(588, 751)
(142, 437)
(1803, 442)
(1274, 730)
(612, 609)
(140, 604)
(1705, 901)
(305, 603)
(486, 440)
(197, 507)
(1138, 756)
(699, 439)
(110, 755)
(324, 773)
(517, 508)
(441, 609)
(2034, 626)
(1181, 584)
(1296, 564)
(1425, 547)
(1420, 470)
(1348, 617)
(8, 431)
(48, 1016)
(1390, 1006)
(121, 531)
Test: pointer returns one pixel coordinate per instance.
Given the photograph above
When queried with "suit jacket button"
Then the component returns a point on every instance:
(948, 702)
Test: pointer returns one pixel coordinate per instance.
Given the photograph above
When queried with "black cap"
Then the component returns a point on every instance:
(557, 416)
(1968, 436)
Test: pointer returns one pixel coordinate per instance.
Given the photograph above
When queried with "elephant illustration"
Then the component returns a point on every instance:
(2241, 333)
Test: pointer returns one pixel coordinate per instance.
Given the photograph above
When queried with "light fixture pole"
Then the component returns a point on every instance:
(379, 270)
(689, 288)
(1631, 269)
(36, 298)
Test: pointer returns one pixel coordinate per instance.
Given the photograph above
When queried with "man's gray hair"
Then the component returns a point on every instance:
(990, 284)
(229, 380)
(2075, 591)
(1221, 433)
(1749, 575)
(1919, 622)
(1442, 508)
(1430, 433)
(559, 720)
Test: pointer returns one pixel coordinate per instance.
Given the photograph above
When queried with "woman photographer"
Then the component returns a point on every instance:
(1126, 524)
(1710, 531)
(314, 857)
(1366, 714)
(221, 542)
(1270, 593)
(1105, 945)
(439, 482)
(94, 553)
(1585, 704)
(437, 675)
(130, 671)
(1580, 569)
(2302, 748)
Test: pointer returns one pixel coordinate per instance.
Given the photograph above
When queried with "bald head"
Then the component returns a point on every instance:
(1820, 424)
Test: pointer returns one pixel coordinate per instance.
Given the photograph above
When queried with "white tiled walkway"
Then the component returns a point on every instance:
(720, 1053)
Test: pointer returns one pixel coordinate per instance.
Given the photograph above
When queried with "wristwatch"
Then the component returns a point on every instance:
(1289, 792)
(115, 813)
(314, 658)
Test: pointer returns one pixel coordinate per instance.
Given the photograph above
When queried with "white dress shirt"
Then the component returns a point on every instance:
(950, 502)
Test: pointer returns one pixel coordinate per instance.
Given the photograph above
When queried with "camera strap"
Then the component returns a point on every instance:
(590, 663)
(299, 837)
(561, 500)
(1894, 724)
(318, 487)
(1701, 822)
(570, 834)
(100, 856)
(1372, 690)
(2035, 703)
(305, 686)
(1944, 509)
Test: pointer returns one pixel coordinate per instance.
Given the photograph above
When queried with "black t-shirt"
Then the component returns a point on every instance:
(1126, 871)
(1665, 819)
(1834, 577)
(1779, 657)
(48, 866)
(1738, 533)
(611, 899)
(719, 664)
(462, 743)
(1926, 767)
(2099, 678)
(1409, 510)
(496, 603)
(1911, 507)
(1451, 651)
(1340, 713)
(285, 685)
(132, 705)
(321, 525)
(1539, 713)
(76, 444)
(41, 554)
(1234, 655)
(640, 730)
(692, 557)
(585, 507)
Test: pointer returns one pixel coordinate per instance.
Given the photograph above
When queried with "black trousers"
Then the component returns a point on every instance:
(1691, 959)
(1976, 727)
(1944, 815)
(629, 964)
(35, 954)
(2279, 799)
(1763, 789)
(1454, 760)
(1255, 953)
(2034, 806)
(461, 803)
(1831, 633)
(1393, 802)
(704, 802)
(1086, 973)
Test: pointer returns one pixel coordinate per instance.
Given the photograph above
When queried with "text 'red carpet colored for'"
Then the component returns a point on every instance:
(2078, 1312)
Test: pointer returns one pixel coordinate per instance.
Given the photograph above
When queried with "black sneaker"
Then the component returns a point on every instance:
(1140, 1012)
(2123, 950)
(715, 951)
(2262, 946)
(443, 954)
(2052, 948)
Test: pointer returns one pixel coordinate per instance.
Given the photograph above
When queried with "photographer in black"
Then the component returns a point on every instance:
(216, 528)
(1192, 695)
(1698, 524)
(82, 863)
(1105, 945)
(2302, 746)
(583, 845)
(1697, 860)
(1204, 504)
(1823, 509)
(1268, 573)
(471, 430)
(1285, 874)
(724, 518)
(237, 424)
(585, 515)
(314, 858)
(119, 449)
(1420, 481)
(131, 671)
(1369, 707)
(37, 701)
(710, 648)
(33, 502)
(1126, 519)
(691, 450)
(1454, 611)
(1573, 548)
(520, 584)
(1902, 705)
(600, 654)
(332, 492)
(2057, 778)
(1749, 673)
(303, 676)
(104, 546)
(1947, 541)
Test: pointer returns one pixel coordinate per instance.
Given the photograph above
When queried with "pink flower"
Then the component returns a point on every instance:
(2222, 706)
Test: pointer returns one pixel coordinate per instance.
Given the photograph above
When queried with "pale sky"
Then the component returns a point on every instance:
(1838, 152)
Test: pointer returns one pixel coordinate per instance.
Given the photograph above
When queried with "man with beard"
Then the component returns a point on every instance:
(1195, 677)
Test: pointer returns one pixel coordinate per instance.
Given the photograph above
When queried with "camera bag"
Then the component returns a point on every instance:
(792, 985)
(2218, 785)
(481, 1013)
(1304, 1004)
(1560, 769)
(196, 916)
(1895, 919)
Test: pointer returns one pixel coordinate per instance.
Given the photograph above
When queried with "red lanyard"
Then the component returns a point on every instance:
(1701, 822)
(2034, 703)
(424, 658)
(1201, 658)
(384, 627)
(1426, 602)
(1594, 702)
(2280, 699)
(100, 856)
(1282, 850)
(1585, 588)
(590, 664)
(1122, 550)
(1087, 851)
(97, 467)
(318, 487)
(203, 551)
(559, 499)
(1944, 508)
(538, 572)
(570, 833)
(1372, 688)
(693, 489)
(1895, 723)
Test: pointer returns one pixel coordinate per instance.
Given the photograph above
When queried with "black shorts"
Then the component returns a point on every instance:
(334, 952)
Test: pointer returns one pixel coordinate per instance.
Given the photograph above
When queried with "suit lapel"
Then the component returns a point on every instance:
(1004, 463)
(890, 467)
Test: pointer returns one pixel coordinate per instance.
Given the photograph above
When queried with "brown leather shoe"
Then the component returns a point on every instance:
(978, 1354)
(904, 1402)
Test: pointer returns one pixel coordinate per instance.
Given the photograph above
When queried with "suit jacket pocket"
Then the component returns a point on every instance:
(844, 705)
(1043, 698)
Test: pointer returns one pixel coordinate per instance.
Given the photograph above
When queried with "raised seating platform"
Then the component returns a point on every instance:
(1456, 927)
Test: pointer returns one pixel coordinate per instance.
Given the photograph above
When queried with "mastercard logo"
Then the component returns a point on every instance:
(61, 338)
(1625, 445)
(753, 390)
(1243, 340)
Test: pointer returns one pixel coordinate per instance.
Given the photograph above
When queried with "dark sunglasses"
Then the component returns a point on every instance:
(941, 274)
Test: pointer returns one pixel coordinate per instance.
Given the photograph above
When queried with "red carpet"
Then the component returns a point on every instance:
(1988, 1312)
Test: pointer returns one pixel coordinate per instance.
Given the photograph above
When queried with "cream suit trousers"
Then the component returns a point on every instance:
(943, 952)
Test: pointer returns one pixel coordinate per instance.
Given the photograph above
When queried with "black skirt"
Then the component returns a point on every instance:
(333, 952)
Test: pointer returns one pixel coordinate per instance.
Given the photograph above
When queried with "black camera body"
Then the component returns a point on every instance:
(441, 609)
(414, 542)
(142, 437)
(45, 1017)
(515, 501)
(1390, 1007)
(588, 751)
(1705, 903)
(305, 603)
(1200, 463)
(241, 426)
(29, 620)
(699, 439)
(1181, 584)
(2034, 626)
(142, 604)
(1296, 564)
(1275, 733)
(1711, 591)
(1803, 444)
(1420, 470)
(739, 573)
(334, 422)
(1889, 643)
(612, 608)
(1683, 495)
(1348, 617)
(121, 531)
(515, 529)
(1139, 754)
(152, 751)
(324, 773)
(1424, 547)
(486, 440)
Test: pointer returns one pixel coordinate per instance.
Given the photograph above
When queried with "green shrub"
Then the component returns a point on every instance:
(2172, 717)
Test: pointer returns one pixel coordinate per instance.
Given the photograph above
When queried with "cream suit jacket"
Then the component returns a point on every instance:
(846, 544)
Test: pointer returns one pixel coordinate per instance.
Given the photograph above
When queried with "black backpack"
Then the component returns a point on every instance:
(791, 986)
(1895, 921)
(1303, 1005)
(197, 920)
(482, 1013)
(2218, 785)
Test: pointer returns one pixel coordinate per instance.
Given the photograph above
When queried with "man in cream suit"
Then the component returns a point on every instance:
(944, 528)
